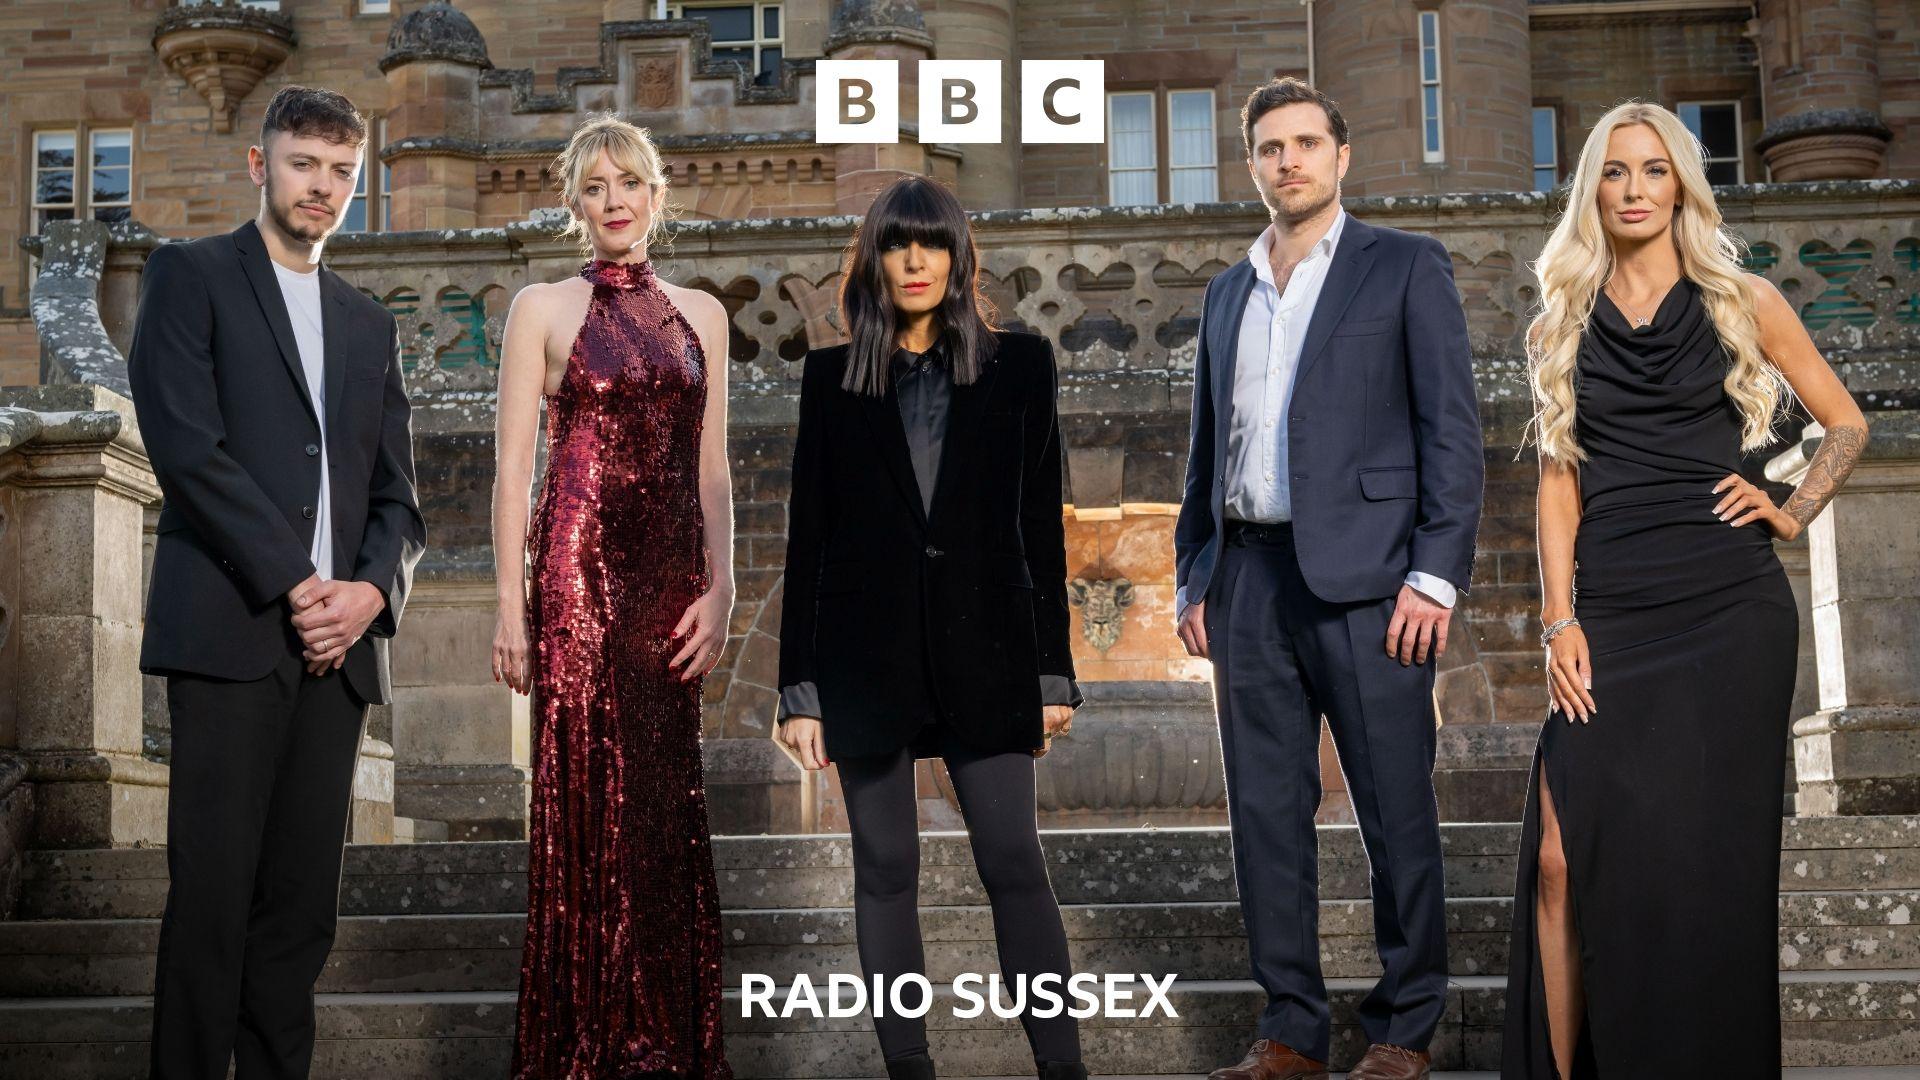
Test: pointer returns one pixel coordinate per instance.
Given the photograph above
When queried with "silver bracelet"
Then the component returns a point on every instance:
(1553, 630)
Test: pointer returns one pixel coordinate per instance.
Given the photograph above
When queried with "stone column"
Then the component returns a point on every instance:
(989, 177)
(460, 740)
(1369, 61)
(74, 488)
(879, 30)
(1820, 74)
(433, 62)
(1860, 754)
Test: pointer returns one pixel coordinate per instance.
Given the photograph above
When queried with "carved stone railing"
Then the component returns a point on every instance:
(1118, 291)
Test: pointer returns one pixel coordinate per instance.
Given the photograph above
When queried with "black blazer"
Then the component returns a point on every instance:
(223, 408)
(1383, 429)
(897, 614)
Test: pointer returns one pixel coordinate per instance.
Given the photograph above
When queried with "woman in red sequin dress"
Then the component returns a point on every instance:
(631, 587)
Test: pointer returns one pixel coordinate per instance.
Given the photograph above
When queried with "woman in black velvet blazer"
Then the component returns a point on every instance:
(925, 611)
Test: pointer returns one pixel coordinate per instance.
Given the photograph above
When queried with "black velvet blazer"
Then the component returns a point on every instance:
(898, 614)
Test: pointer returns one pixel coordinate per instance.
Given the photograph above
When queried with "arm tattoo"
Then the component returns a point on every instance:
(1839, 451)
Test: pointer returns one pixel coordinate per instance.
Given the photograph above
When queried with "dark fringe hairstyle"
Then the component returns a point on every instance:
(306, 110)
(912, 209)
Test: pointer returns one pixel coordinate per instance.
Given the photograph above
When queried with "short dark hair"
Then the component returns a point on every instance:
(307, 110)
(1289, 91)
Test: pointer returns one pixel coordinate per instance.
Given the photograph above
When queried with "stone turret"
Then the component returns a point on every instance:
(1820, 73)
(879, 30)
(433, 62)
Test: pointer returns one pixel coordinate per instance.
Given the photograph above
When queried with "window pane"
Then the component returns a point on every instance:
(770, 64)
(1133, 188)
(1545, 153)
(727, 23)
(375, 7)
(1191, 116)
(1718, 131)
(1195, 185)
(1723, 172)
(355, 219)
(112, 213)
(1544, 179)
(742, 57)
(55, 186)
(1429, 46)
(112, 148)
(54, 149)
(110, 185)
(770, 23)
(62, 213)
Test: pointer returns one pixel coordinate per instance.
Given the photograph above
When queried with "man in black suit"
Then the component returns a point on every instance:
(269, 395)
(1333, 492)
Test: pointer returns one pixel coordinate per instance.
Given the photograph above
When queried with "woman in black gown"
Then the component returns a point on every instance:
(1645, 921)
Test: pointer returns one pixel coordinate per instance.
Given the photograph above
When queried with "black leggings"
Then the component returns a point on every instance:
(996, 798)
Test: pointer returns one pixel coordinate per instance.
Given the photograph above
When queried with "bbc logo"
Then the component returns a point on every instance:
(858, 101)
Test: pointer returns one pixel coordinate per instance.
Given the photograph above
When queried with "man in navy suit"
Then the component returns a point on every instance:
(1333, 492)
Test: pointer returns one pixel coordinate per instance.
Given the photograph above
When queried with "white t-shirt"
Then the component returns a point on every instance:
(302, 294)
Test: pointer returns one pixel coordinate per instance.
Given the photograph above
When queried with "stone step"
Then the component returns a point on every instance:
(1862, 931)
(1829, 1020)
(1086, 866)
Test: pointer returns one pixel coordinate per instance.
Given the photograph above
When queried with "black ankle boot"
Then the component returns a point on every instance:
(917, 1067)
(1062, 1070)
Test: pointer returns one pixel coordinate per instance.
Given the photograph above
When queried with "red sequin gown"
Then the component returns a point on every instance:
(621, 970)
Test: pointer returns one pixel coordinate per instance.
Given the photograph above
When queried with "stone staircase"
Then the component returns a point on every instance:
(421, 980)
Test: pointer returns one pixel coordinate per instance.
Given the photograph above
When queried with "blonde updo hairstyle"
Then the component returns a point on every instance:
(631, 150)
(1578, 259)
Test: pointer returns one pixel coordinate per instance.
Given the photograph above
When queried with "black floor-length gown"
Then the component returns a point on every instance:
(1669, 800)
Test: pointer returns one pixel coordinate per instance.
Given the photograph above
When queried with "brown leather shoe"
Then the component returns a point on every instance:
(1270, 1060)
(1385, 1062)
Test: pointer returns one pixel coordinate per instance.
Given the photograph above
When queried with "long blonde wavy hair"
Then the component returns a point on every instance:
(631, 149)
(1578, 259)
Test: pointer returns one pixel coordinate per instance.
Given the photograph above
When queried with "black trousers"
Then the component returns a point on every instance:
(997, 800)
(256, 820)
(1282, 658)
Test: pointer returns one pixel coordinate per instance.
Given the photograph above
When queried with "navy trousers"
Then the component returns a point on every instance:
(1282, 658)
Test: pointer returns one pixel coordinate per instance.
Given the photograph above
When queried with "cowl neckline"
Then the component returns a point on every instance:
(637, 274)
(1670, 317)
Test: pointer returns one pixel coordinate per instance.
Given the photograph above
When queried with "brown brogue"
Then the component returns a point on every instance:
(1270, 1060)
(1385, 1062)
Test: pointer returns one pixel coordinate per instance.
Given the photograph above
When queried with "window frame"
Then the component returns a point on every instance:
(1160, 118)
(1429, 24)
(1553, 147)
(376, 181)
(73, 203)
(94, 205)
(1212, 164)
(1739, 156)
(1153, 130)
(761, 41)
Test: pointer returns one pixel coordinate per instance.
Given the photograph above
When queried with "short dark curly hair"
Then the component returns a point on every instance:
(1289, 91)
(307, 110)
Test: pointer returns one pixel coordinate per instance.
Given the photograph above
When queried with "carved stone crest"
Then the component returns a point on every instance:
(1101, 602)
(656, 81)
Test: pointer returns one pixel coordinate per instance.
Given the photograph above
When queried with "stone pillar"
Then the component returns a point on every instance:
(880, 30)
(1370, 63)
(74, 488)
(433, 62)
(1820, 75)
(989, 176)
(1860, 754)
(460, 740)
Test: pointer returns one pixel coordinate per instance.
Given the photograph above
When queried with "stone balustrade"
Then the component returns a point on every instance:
(1117, 290)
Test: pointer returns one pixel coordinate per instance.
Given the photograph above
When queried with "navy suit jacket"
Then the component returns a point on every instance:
(1383, 429)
